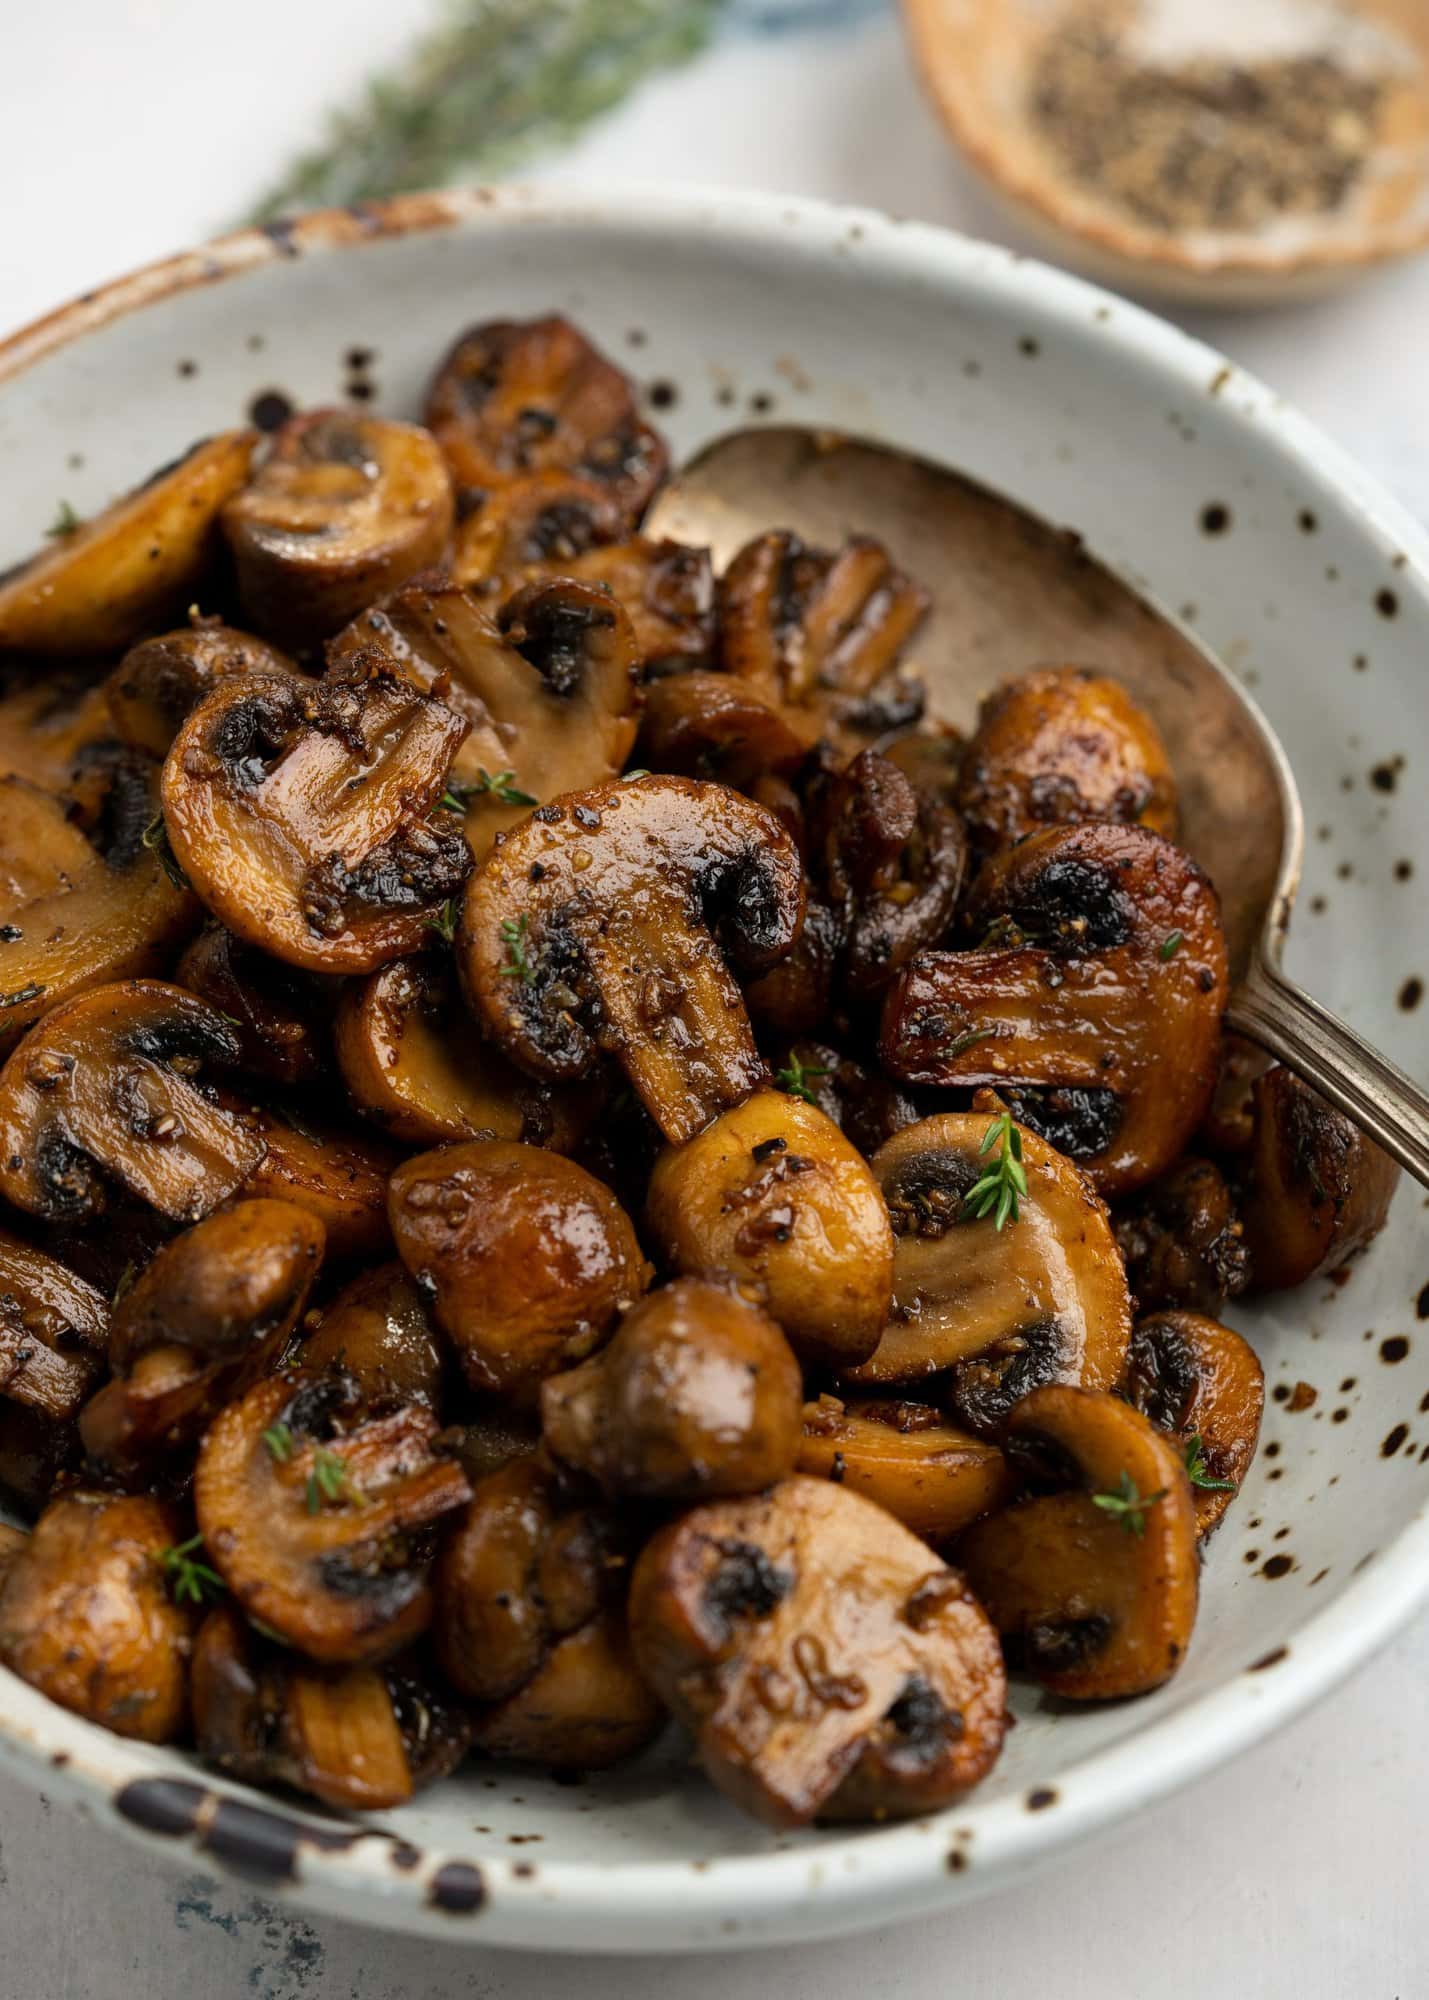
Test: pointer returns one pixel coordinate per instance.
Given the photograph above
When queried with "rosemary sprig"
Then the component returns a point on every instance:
(65, 523)
(794, 1079)
(1196, 1469)
(190, 1581)
(518, 963)
(1004, 1183)
(1127, 1506)
(328, 1482)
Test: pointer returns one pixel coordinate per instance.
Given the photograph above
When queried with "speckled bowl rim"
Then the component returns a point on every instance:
(837, 1884)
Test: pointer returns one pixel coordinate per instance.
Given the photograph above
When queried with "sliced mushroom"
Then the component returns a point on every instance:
(829, 1666)
(927, 1473)
(594, 925)
(800, 995)
(514, 397)
(697, 1395)
(316, 1514)
(107, 1087)
(1202, 1383)
(358, 1738)
(209, 1316)
(377, 1330)
(78, 911)
(998, 1311)
(52, 725)
(930, 757)
(585, 1708)
(305, 815)
(120, 575)
(1093, 1589)
(53, 1331)
(281, 1015)
(343, 508)
(86, 1616)
(1184, 1242)
(412, 1059)
(546, 684)
(821, 636)
(1318, 1189)
(527, 1259)
(772, 1196)
(1094, 1001)
(1060, 746)
(704, 725)
(160, 680)
(332, 1169)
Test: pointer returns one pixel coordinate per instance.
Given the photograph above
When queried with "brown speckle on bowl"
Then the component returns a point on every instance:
(1218, 381)
(1386, 603)
(761, 403)
(1393, 1440)
(523, 1871)
(1040, 1798)
(1030, 347)
(458, 1888)
(1215, 518)
(1410, 994)
(1274, 1567)
(1271, 1659)
(404, 1857)
(1308, 520)
(1251, 1556)
(1318, 906)
(270, 410)
(663, 395)
(1394, 1348)
(1384, 777)
(957, 1860)
(1340, 1415)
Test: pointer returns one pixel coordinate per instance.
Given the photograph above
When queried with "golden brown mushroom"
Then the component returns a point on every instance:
(603, 922)
(37, 1454)
(358, 1738)
(585, 1708)
(280, 1015)
(316, 1513)
(343, 508)
(1093, 1002)
(87, 1618)
(1094, 1588)
(921, 1468)
(12, 1541)
(703, 725)
(377, 1330)
(118, 576)
(1060, 746)
(527, 1259)
(1202, 1383)
(772, 1196)
(697, 1395)
(514, 397)
(995, 1311)
(54, 1329)
(867, 1106)
(829, 1665)
(53, 726)
(1183, 1241)
(333, 1169)
(107, 1088)
(305, 814)
(1319, 1190)
(160, 680)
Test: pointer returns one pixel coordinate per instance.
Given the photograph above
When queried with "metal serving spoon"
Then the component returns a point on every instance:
(1010, 592)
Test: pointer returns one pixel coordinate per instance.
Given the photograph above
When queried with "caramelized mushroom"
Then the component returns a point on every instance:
(53, 1331)
(343, 508)
(821, 636)
(999, 1310)
(159, 681)
(714, 726)
(412, 1059)
(358, 1738)
(377, 1330)
(114, 578)
(595, 925)
(1094, 1001)
(1318, 1189)
(697, 1395)
(514, 397)
(1093, 1589)
(36, 1453)
(86, 1616)
(585, 1708)
(527, 1259)
(53, 726)
(1061, 746)
(1183, 1241)
(335, 1171)
(1201, 1382)
(108, 1086)
(828, 1664)
(279, 1014)
(305, 814)
(315, 1514)
(867, 1106)
(929, 1475)
(12, 1541)
(210, 1315)
(772, 1196)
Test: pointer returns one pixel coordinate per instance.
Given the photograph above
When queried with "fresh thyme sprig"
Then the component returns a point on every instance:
(1004, 1184)
(1170, 945)
(1128, 1506)
(794, 1079)
(1196, 1469)
(279, 1440)
(190, 1581)
(328, 1482)
(501, 785)
(156, 838)
(444, 923)
(518, 963)
(65, 523)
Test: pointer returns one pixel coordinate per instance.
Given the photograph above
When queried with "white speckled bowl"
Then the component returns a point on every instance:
(1094, 414)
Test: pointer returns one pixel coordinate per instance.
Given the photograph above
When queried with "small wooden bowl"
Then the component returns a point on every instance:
(977, 59)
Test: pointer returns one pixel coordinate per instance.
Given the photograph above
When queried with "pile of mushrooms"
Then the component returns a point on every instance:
(570, 1159)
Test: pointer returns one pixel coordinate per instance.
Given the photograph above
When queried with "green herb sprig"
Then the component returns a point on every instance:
(1003, 1186)
(1170, 945)
(328, 1482)
(444, 923)
(795, 1078)
(518, 961)
(190, 1580)
(1128, 1506)
(156, 838)
(65, 523)
(279, 1440)
(1196, 1469)
(501, 785)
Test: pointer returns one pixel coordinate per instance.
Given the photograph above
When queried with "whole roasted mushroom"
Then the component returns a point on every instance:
(160, 680)
(1093, 1588)
(87, 1618)
(1318, 1189)
(828, 1664)
(1201, 1383)
(332, 1168)
(316, 1514)
(377, 1330)
(994, 1311)
(697, 1395)
(1060, 746)
(603, 922)
(773, 1197)
(1093, 1001)
(526, 1258)
(305, 814)
(1183, 1241)
(918, 1466)
(343, 508)
(107, 1088)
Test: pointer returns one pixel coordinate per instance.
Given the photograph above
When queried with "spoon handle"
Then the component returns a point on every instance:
(1362, 1083)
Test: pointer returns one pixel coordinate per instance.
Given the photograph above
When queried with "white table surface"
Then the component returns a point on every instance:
(131, 127)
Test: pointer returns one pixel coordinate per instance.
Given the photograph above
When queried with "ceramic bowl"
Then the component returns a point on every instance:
(1197, 485)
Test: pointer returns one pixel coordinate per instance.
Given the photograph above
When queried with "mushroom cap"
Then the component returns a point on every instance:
(1194, 1378)
(1318, 1189)
(909, 1458)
